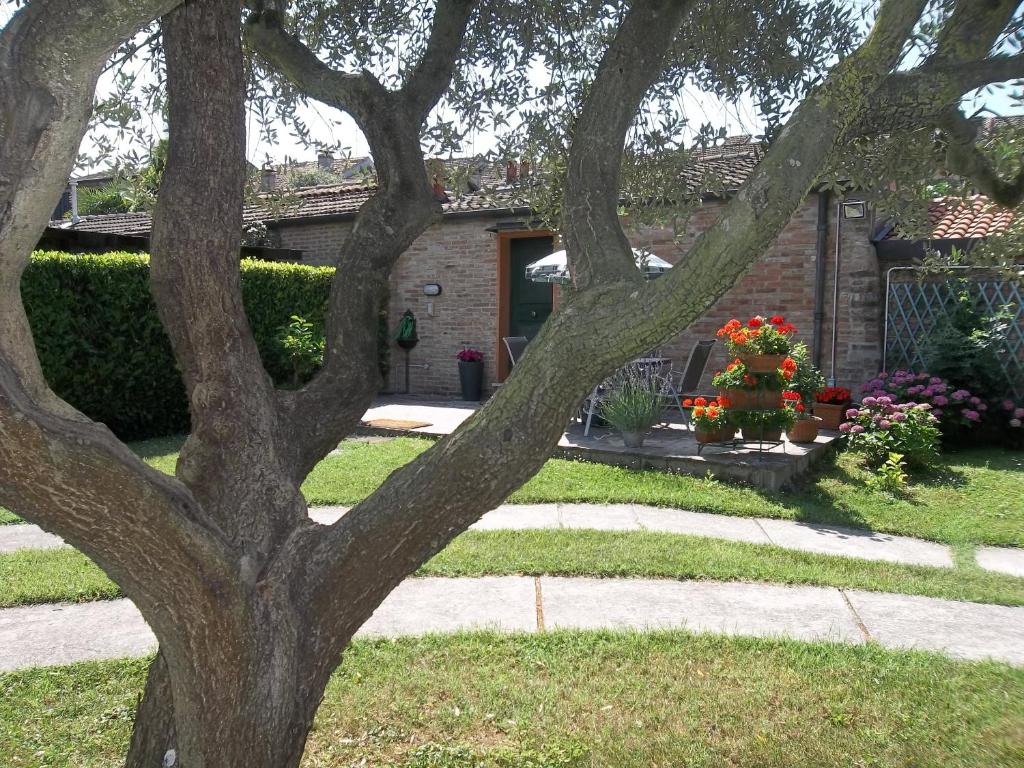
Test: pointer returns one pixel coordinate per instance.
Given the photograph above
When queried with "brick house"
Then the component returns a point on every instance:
(826, 272)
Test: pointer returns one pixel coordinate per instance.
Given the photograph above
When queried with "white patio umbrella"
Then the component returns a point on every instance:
(555, 268)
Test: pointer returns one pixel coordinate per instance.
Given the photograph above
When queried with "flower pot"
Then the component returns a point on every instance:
(831, 415)
(752, 399)
(760, 433)
(633, 439)
(471, 378)
(714, 435)
(803, 430)
(762, 363)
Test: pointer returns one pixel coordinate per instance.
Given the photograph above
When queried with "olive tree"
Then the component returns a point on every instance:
(252, 602)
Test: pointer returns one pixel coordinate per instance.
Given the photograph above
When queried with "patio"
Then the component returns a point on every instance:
(670, 448)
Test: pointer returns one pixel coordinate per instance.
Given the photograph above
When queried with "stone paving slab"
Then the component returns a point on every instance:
(1001, 559)
(47, 635)
(519, 517)
(680, 521)
(24, 536)
(419, 606)
(963, 630)
(762, 610)
(823, 539)
(856, 542)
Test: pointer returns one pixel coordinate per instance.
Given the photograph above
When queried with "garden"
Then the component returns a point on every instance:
(924, 454)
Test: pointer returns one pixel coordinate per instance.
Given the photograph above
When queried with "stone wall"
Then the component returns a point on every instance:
(462, 256)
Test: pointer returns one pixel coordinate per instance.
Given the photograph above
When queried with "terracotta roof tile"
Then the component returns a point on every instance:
(956, 219)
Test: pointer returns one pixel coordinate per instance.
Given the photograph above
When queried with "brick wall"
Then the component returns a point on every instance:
(462, 256)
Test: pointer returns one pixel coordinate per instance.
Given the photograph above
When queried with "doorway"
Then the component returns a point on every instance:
(523, 305)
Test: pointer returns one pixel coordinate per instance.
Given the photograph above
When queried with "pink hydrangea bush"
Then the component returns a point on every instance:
(950, 405)
(880, 426)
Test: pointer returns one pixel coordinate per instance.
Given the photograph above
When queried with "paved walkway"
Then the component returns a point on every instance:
(806, 537)
(60, 634)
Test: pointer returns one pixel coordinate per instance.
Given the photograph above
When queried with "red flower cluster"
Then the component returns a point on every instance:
(470, 355)
(758, 336)
(788, 368)
(833, 396)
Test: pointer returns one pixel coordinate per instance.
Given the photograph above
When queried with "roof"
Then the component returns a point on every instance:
(952, 218)
(349, 169)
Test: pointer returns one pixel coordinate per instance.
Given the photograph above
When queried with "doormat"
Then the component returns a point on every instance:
(397, 424)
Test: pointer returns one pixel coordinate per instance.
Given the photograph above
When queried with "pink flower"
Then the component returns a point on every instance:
(937, 412)
(1008, 404)
(940, 400)
(899, 416)
(857, 429)
(975, 401)
(982, 407)
(960, 394)
(1019, 413)
(852, 413)
(971, 415)
(870, 401)
(934, 380)
(884, 424)
(883, 375)
(844, 427)
(1015, 422)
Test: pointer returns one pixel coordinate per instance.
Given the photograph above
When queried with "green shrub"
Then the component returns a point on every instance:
(633, 403)
(303, 343)
(102, 346)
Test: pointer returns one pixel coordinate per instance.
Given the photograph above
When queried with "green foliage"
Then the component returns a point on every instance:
(633, 403)
(879, 429)
(102, 346)
(807, 379)
(756, 423)
(96, 201)
(965, 349)
(313, 178)
(303, 345)
(890, 477)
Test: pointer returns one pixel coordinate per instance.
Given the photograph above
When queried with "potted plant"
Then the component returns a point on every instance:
(830, 405)
(632, 406)
(710, 420)
(762, 344)
(471, 372)
(806, 381)
(763, 426)
(752, 391)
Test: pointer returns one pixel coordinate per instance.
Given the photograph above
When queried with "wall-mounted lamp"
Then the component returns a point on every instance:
(854, 209)
(431, 289)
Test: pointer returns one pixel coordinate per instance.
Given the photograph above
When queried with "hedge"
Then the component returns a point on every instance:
(102, 346)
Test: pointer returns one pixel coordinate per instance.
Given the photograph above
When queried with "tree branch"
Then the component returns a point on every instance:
(965, 159)
(231, 455)
(597, 247)
(403, 207)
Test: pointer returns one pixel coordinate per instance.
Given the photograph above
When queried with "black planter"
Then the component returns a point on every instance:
(471, 377)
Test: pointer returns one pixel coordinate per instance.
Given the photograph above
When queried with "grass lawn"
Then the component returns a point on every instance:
(569, 700)
(973, 497)
(30, 576)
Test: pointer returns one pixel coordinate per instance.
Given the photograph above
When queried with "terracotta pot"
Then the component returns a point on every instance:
(714, 435)
(762, 363)
(752, 399)
(803, 430)
(831, 415)
(767, 434)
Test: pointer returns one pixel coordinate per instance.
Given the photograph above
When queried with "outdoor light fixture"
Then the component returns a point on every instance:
(854, 209)
(431, 289)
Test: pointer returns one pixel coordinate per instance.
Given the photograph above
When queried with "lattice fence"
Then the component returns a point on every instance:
(914, 307)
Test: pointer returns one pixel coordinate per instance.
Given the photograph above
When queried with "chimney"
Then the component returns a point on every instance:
(73, 188)
(325, 160)
(268, 178)
(511, 171)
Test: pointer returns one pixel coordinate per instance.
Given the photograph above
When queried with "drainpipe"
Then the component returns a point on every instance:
(819, 275)
(835, 295)
(74, 202)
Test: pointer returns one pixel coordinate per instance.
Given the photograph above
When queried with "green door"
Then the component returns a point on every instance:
(529, 303)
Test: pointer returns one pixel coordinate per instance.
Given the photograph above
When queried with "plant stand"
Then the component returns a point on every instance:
(763, 446)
